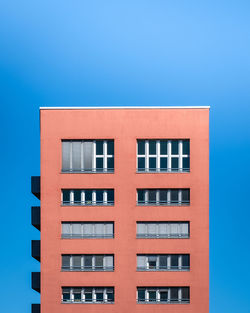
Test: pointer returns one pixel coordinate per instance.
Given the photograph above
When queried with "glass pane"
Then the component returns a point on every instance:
(88, 294)
(141, 261)
(99, 229)
(88, 261)
(185, 195)
(110, 295)
(163, 146)
(186, 163)
(163, 196)
(141, 228)
(99, 261)
(174, 294)
(140, 196)
(109, 261)
(141, 146)
(77, 295)
(66, 155)
(88, 229)
(77, 196)
(152, 196)
(66, 295)
(152, 229)
(152, 262)
(174, 260)
(66, 228)
(141, 295)
(174, 229)
(76, 261)
(175, 148)
(185, 293)
(99, 147)
(66, 261)
(164, 164)
(163, 229)
(152, 164)
(163, 261)
(185, 260)
(111, 163)
(66, 196)
(152, 146)
(99, 164)
(87, 155)
(99, 296)
(88, 196)
(141, 164)
(110, 194)
(175, 163)
(186, 147)
(110, 144)
(77, 229)
(163, 296)
(99, 196)
(174, 196)
(109, 229)
(152, 296)
(76, 155)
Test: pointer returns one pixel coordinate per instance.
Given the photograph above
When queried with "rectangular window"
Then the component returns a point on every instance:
(163, 295)
(83, 197)
(163, 197)
(78, 230)
(163, 262)
(84, 156)
(162, 230)
(88, 294)
(163, 155)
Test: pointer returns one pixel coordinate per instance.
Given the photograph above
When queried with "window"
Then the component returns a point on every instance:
(163, 196)
(87, 295)
(87, 197)
(162, 229)
(163, 295)
(163, 262)
(81, 156)
(87, 262)
(164, 155)
(72, 230)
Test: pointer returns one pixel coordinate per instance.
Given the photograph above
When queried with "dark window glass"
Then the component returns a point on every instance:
(152, 296)
(185, 293)
(152, 262)
(66, 295)
(99, 164)
(186, 163)
(110, 194)
(110, 144)
(99, 296)
(99, 261)
(152, 164)
(163, 261)
(163, 296)
(77, 196)
(185, 195)
(77, 295)
(174, 196)
(185, 147)
(163, 196)
(186, 260)
(152, 196)
(163, 147)
(111, 163)
(99, 147)
(88, 196)
(87, 155)
(66, 196)
(141, 295)
(152, 147)
(175, 164)
(141, 146)
(141, 198)
(141, 164)
(88, 261)
(164, 163)
(174, 294)
(174, 260)
(88, 294)
(76, 260)
(175, 148)
(66, 261)
(99, 196)
(110, 295)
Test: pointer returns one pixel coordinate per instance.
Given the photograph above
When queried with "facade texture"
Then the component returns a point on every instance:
(124, 212)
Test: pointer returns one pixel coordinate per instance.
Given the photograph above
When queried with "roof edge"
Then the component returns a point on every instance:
(123, 107)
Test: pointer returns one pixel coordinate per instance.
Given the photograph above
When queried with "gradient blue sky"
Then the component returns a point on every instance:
(138, 52)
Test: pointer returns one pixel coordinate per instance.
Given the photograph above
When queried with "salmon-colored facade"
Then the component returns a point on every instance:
(125, 126)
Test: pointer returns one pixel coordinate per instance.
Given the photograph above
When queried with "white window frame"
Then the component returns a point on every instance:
(94, 289)
(158, 290)
(157, 202)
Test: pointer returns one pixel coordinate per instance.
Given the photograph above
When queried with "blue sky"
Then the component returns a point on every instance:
(138, 52)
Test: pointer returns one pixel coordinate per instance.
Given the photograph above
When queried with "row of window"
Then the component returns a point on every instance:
(71, 230)
(145, 262)
(144, 295)
(164, 155)
(144, 196)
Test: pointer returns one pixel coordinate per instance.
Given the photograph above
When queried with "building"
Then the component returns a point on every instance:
(124, 218)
